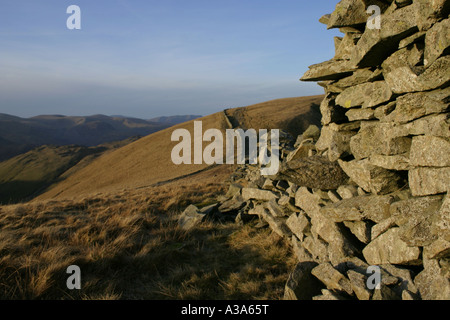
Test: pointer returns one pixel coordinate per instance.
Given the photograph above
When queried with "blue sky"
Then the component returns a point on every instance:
(153, 58)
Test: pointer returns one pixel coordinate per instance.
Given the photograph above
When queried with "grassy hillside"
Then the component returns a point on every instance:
(25, 175)
(148, 160)
(129, 246)
(293, 115)
(139, 164)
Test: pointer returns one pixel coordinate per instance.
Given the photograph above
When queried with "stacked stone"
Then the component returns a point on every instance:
(371, 187)
(386, 123)
(387, 96)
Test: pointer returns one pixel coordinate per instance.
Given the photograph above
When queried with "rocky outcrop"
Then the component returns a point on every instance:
(396, 94)
(372, 188)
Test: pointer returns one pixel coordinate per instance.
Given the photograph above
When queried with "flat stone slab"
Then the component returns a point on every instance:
(258, 194)
(313, 172)
(430, 151)
(390, 248)
(427, 181)
(371, 178)
(370, 207)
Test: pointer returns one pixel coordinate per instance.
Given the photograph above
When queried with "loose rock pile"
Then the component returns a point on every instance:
(371, 187)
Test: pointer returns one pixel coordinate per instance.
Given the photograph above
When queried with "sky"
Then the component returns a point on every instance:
(150, 58)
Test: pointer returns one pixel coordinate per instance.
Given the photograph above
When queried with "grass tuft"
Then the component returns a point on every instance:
(129, 246)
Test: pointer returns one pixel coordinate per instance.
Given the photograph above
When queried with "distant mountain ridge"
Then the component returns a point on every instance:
(175, 119)
(19, 135)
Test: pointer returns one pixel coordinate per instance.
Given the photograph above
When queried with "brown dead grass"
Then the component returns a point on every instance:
(290, 114)
(129, 246)
(139, 164)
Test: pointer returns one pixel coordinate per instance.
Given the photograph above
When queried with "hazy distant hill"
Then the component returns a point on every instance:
(174, 119)
(19, 135)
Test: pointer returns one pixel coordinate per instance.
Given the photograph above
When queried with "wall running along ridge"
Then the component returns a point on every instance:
(371, 187)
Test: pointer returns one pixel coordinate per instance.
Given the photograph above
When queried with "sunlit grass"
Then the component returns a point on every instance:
(129, 246)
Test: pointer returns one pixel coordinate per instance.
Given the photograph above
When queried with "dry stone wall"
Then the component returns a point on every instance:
(371, 187)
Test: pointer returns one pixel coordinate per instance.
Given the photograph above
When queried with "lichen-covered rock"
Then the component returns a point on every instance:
(233, 204)
(430, 151)
(427, 181)
(415, 209)
(345, 46)
(359, 286)
(399, 162)
(432, 284)
(276, 210)
(437, 41)
(380, 138)
(360, 114)
(301, 284)
(385, 293)
(347, 191)
(332, 278)
(402, 78)
(437, 250)
(389, 248)
(309, 202)
(428, 12)
(398, 24)
(277, 224)
(441, 225)
(376, 45)
(348, 13)
(299, 224)
(386, 122)
(415, 217)
(434, 125)
(382, 227)
(339, 245)
(329, 70)
(313, 172)
(404, 280)
(302, 151)
(190, 218)
(299, 250)
(317, 249)
(312, 132)
(371, 178)
(361, 230)
(412, 39)
(258, 194)
(359, 76)
(336, 142)
(365, 95)
(369, 207)
(328, 295)
(412, 106)
(331, 113)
